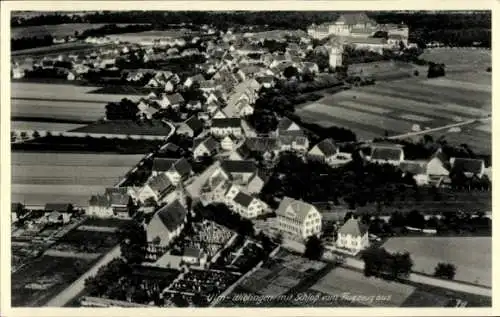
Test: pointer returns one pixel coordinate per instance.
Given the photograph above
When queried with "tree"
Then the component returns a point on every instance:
(415, 219)
(290, 72)
(123, 110)
(314, 248)
(133, 242)
(179, 300)
(401, 265)
(445, 270)
(36, 134)
(435, 70)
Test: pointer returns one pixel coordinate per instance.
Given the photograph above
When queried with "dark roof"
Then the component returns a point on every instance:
(414, 168)
(16, 207)
(172, 215)
(182, 166)
(161, 164)
(160, 184)
(386, 153)
(261, 144)
(210, 143)
(243, 199)
(467, 165)
(243, 150)
(327, 147)
(99, 200)
(289, 139)
(61, 207)
(226, 122)
(116, 190)
(284, 124)
(231, 166)
(194, 124)
(175, 98)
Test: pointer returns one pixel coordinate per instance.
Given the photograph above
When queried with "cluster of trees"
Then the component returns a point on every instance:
(30, 42)
(435, 70)
(445, 270)
(87, 144)
(357, 182)
(380, 263)
(448, 222)
(123, 110)
(53, 73)
(133, 242)
(314, 248)
(114, 29)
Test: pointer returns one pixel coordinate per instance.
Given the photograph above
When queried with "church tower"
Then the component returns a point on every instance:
(335, 55)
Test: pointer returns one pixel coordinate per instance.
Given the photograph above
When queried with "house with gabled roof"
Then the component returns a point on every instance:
(324, 150)
(217, 113)
(162, 165)
(156, 188)
(353, 236)
(205, 147)
(298, 143)
(194, 79)
(191, 127)
(226, 126)
(387, 154)
(297, 219)
(246, 206)
(239, 172)
(180, 171)
(438, 167)
(467, 166)
(228, 143)
(174, 101)
(166, 224)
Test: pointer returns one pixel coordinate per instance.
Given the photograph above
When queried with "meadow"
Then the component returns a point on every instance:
(147, 35)
(459, 58)
(471, 255)
(395, 108)
(39, 178)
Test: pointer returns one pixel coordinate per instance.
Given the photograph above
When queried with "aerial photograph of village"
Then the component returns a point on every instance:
(251, 159)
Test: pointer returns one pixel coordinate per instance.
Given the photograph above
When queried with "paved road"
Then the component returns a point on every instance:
(77, 286)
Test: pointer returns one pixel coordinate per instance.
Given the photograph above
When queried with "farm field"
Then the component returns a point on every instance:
(57, 101)
(156, 127)
(44, 126)
(396, 107)
(55, 49)
(34, 284)
(147, 35)
(471, 255)
(38, 178)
